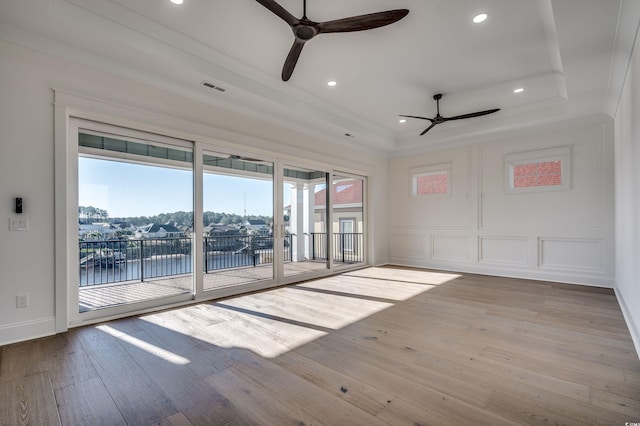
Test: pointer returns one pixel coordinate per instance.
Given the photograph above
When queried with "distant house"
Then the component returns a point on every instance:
(220, 230)
(96, 231)
(155, 230)
(347, 207)
(346, 195)
(256, 226)
(123, 225)
(223, 238)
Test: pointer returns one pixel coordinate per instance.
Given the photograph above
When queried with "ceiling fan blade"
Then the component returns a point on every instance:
(362, 22)
(427, 129)
(415, 116)
(279, 11)
(471, 115)
(292, 59)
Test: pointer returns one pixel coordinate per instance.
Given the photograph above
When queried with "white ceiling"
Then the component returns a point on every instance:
(564, 53)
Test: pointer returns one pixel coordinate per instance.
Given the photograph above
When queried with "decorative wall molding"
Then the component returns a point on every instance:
(410, 245)
(571, 254)
(565, 236)
(595, 134)
(426, 229)
(450, 247)
(509, 251)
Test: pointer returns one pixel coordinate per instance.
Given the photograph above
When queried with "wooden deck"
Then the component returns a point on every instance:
(379, 346)
(109, 295)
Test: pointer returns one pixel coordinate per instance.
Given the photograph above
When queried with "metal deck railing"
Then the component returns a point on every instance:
(114, 261)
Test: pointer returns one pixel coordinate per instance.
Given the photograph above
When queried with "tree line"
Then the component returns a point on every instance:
(91, 214)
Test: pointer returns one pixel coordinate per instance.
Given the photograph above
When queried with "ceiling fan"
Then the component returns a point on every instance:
(438, 119)
(305, 29)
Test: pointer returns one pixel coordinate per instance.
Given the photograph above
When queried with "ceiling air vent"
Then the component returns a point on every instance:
(213, 86)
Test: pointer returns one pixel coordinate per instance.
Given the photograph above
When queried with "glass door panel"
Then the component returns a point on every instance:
(348, 220)
(237, 219)
(305, 221)
(135, 220)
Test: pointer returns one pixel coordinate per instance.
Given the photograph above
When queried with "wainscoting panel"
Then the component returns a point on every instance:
(450, 247)
(410, 245)
(571, 254)
(508, 251)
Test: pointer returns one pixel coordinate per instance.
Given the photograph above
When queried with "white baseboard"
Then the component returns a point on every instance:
(21, 331)
(575, 277)
(633, 328)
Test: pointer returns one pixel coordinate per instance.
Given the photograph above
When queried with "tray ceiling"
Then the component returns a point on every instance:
(560, 51)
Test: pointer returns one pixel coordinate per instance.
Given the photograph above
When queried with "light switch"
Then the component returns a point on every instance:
(18, 223)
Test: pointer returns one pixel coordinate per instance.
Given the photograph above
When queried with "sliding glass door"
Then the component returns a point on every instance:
(135, 219)
(238, 240)
(304, 213)
(348, 220)
(135, 203)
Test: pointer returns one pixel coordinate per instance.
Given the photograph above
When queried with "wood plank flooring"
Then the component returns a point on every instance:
(31, 399)
(378, 346)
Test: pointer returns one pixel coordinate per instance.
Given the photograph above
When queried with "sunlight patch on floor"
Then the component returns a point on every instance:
(364, 288)
(329, 311)
(336, 302)
(404, 275)
(273, 322)
(145, 346)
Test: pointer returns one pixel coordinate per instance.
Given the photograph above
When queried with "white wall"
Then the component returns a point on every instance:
(27, 165)
(26, 170)
(565, 236)
(627, 157)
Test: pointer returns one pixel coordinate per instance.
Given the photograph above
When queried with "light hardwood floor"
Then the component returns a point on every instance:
(378, 346)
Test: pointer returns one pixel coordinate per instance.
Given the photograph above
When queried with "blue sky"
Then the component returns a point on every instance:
(129, 190)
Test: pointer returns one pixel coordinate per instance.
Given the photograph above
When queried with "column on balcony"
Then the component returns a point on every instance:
(308, 211)
(296, 222)
(301, 220)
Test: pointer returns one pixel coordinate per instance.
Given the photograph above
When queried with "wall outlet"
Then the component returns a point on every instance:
(22, 300)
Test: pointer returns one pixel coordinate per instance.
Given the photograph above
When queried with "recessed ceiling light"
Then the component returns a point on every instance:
(177, 1)
(402, 120)
(480, 18)
(331, 83)
(518, 90)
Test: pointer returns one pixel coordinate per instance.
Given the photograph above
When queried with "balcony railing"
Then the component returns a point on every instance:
(347, 247)
(236, 251)
(114, 261)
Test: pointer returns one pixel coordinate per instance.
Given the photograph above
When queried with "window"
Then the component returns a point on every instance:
(348, 219)
(540, 170)
(545, 173)
(431, 181)
(135, 219)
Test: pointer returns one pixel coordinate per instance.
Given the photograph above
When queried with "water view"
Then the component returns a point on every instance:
(160, 266)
